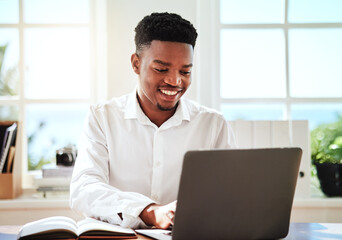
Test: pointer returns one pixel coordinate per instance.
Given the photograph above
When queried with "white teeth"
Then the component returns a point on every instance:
(170, 93)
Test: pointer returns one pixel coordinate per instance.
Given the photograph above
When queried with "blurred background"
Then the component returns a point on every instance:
(254, 60)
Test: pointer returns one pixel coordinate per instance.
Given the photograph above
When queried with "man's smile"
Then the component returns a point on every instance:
(169, 92)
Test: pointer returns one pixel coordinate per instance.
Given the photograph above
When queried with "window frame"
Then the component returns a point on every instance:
(208, 67)
(209, 34)
(98, 71)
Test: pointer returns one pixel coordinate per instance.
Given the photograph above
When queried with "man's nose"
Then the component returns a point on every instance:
(173, 79)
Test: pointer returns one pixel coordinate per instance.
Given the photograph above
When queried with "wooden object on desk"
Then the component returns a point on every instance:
(303, 231)
(10, 159)
(10, 229)
(10, 182)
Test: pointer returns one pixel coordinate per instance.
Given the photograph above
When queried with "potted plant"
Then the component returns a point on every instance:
(326, 155)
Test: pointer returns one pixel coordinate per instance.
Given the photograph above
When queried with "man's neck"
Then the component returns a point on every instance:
(157, 116)
(160, 119)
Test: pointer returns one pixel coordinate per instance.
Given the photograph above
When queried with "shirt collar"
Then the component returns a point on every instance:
(134, 111)
(182, 112)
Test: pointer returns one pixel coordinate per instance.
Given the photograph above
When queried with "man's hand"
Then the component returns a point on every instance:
(160, 216)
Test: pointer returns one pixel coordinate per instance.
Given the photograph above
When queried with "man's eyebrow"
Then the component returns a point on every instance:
(188, 65)
(166, 64)
(162, 62)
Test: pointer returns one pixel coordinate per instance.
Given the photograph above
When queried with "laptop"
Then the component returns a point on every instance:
(234, 194)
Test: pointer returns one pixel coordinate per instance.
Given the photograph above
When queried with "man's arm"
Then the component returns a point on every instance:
(90, 191)
(225, 137)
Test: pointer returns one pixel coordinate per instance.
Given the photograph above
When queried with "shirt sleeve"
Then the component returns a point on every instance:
(90, 191)
(225, 137)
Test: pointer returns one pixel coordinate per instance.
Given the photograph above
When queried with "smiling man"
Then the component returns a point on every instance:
(164, 70)
(129, 164)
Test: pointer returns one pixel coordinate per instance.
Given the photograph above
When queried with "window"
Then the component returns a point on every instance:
(48, 73)
(277, 59)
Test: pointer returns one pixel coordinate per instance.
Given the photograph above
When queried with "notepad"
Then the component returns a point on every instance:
(60, 227)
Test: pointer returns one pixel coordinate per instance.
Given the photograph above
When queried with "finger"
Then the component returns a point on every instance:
(171, 216)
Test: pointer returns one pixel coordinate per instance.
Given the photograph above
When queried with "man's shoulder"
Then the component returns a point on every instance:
(197, 110)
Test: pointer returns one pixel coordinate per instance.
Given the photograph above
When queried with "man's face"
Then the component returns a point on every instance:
(164, 70)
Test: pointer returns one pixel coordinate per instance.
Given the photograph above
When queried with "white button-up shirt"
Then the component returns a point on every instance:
(126, 162)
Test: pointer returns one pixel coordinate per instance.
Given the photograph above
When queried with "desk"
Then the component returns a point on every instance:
(315, 231)
(298, 231)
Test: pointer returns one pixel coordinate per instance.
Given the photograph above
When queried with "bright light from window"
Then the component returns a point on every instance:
(315, 11)
(52, 11)
(9, 11)
(50, 127)
(318, 113)
(56, 50)
(8, 113)
(252, 63)
(9, 37)
(315, 58)
(251, 11)
(9, 59)
(57, 63)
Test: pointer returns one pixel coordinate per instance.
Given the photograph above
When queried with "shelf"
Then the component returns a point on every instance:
(35, 200)
(318, 202)
(32, 199)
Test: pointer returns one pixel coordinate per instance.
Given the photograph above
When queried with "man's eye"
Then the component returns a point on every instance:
(185, 72)
(160, 70)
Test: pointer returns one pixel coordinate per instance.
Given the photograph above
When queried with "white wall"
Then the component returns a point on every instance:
(123, 16)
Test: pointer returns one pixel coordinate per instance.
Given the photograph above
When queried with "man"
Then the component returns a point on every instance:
(128, 168)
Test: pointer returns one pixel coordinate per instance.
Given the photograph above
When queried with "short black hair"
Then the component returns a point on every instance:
(164, 27)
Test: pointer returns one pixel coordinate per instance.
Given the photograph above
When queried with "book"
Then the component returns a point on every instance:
(49, 186)
(53, 170)
(9, 140)
(40, 181)
(60, 227)
(10, 159)
(2, 150)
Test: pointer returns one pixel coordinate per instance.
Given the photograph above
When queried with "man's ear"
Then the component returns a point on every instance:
(135, 61)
